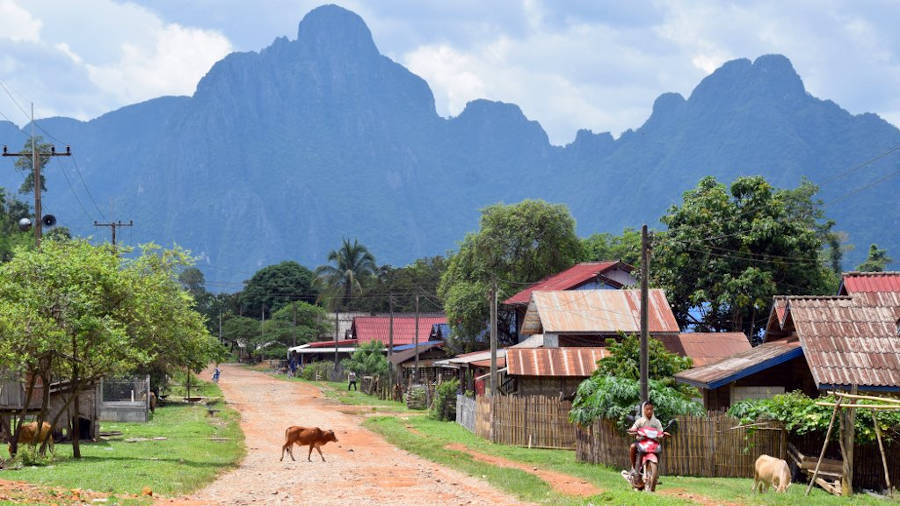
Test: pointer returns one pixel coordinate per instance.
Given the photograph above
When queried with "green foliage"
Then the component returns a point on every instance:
(625, 247)
(274, 286)
(624, 360)
(240, 329)
(877, 260)
(367, 360)
(279, 331)
(420, 277)
(28, 456)
(728, 250)
(515, 244)
(352, 265)
(321, 369)
(618, 398)
(25, 164)
(444, 405)
(11, 210)
(800, 415)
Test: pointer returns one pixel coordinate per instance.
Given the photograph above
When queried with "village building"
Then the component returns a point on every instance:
(706, 347)
(814, 344)
(12, 402)
(608, 275)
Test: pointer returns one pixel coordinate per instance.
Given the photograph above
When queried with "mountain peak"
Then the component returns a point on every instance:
(332, 30)
(770, 76)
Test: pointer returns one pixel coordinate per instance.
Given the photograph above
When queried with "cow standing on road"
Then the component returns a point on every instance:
(312, 436)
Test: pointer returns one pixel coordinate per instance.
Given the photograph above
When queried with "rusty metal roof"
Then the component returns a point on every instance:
(596, 312)
(573, 362)
(568, 279)
(859, 282)
(706, 347)
(745, 363)
(849, 340)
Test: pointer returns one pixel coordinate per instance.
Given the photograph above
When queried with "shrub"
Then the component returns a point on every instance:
(444, 405)
(323, 369)
(367, 360)
(800, 415)
(618, 398)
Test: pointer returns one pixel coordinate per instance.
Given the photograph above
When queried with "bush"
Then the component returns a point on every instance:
(323, 369)
(367, 360)
(444, 405)
(416, 397)
(800, 415)
(27, 455)
(618, 398)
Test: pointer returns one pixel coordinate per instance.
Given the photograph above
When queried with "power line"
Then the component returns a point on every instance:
(861, 165)
(866, 186)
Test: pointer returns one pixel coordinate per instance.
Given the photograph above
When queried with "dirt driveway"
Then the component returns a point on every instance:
(361, 468)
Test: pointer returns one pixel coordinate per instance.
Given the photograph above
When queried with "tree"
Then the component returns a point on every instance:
(516, 245)
(877, 261)
(275, 285)
(367, 360)
(193, 280)
(728, 250)
(624, 360)
(296, 323)
(26, 163)
(404, 283)
(11, 211)
(625, 247)
(352, 264)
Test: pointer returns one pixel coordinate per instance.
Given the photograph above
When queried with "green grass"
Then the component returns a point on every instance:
(337, 391)
(183, 462)
(530, 488)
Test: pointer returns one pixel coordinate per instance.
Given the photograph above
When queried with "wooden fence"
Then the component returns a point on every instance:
(707, 446)
(533, 420)
(483, 417)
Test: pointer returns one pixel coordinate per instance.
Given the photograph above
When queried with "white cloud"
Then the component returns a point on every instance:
(17, 24)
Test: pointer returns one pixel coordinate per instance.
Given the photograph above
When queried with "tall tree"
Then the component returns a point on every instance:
(351, 263)
(11, 211)
(516, 244)
(25, 164)
(403, 283)
(605, 246)
(272, 287)
(877, 261)
(728, 250)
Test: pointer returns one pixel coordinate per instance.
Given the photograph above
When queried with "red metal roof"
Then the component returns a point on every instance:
(747, 362)
(706, 347)
(568, 279)
(596, 312)
(858, 282)
(573, 362)
(849, 340)
(329, 344)
(377, 328)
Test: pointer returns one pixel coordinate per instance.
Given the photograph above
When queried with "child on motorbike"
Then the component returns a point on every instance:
(646, 420)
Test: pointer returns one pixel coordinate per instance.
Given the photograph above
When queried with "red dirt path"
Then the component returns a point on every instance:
(361, 468)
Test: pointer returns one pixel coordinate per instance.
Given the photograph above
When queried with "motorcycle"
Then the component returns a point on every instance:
(649, 444)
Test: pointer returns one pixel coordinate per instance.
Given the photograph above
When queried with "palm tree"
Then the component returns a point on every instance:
(351, 262)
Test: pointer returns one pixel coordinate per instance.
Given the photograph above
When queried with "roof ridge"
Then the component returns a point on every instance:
(870, 273)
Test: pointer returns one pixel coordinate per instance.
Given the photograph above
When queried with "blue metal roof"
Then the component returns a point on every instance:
(403, 347)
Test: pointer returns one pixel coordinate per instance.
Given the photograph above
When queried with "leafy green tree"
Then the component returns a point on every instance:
(352, 263)
(617, 399)
(625, 247)
(403, 283)
(240, 329)
(11, 211)
(516, 244)
(26, 163)
(193, 280)
(296, 323)
(624, 360)
(877, 261)
(367, 360)
(274, 286)
(728, 250)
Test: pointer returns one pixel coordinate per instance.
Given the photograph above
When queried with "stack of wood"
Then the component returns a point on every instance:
(831, 471)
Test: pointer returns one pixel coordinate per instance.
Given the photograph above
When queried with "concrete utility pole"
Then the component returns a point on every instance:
(294, 328)
(391, 345)
(416, 373)
(645, 332)
(220, 327)
(337, 323)
(113, 225)
(36, 174)
(493, 382)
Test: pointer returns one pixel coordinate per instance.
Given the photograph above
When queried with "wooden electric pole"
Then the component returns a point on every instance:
(493, 382)
(36, 174)
(391, 346)
(416, 370)
(114, 225)
(645, 331)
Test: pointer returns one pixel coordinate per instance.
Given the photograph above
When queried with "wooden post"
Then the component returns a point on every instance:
(837, 406)
(847, 439)
(887, 478)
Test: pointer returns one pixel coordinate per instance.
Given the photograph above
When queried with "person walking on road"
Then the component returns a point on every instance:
(351, 380)
(216, 374)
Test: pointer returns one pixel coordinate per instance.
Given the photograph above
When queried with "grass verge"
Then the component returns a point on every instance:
(337, 391)
(434, 436)
(196, 449)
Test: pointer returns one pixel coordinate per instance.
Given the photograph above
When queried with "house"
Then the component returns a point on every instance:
(869, 282)
(812, 344)
(706, 347)
(585, 318)
(608, 275)
(550, 371)
(403, 359)
(12, 400)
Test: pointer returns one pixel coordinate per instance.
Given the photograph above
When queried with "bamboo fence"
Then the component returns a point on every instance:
(533, 421)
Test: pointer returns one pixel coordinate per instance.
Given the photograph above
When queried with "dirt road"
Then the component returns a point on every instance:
(361, 468)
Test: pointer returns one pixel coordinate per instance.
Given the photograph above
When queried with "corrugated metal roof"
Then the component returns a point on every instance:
(567, 279)
(577, 362)
(860, 282)
(706, 347)
(377, 328)
(743, 364)
(409, 351)
(849, 340)
(596, 311)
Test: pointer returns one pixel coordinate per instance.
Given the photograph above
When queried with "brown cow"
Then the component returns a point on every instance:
(312, 436)
(27, 435)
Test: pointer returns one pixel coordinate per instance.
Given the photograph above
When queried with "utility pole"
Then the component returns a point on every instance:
(337, 318)
(493, 337)
(36, 174)
(262, 324)
(294, 329)
(416, 374)
(113, 225)
(391, 347)
(645, 332)
(220, 327)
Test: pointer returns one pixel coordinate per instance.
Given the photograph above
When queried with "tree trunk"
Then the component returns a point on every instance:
(14, 441)
(76, 448)
(45, 406)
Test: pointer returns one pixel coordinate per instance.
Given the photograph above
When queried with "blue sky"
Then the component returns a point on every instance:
(568, 64)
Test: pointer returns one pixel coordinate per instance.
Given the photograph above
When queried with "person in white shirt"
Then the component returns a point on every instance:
(647, 420)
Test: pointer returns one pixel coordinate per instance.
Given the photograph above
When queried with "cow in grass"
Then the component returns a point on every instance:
(312, 436)
(771, 471)
(28, 435)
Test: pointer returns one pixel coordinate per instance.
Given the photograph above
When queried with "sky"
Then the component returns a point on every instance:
(568, 64)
